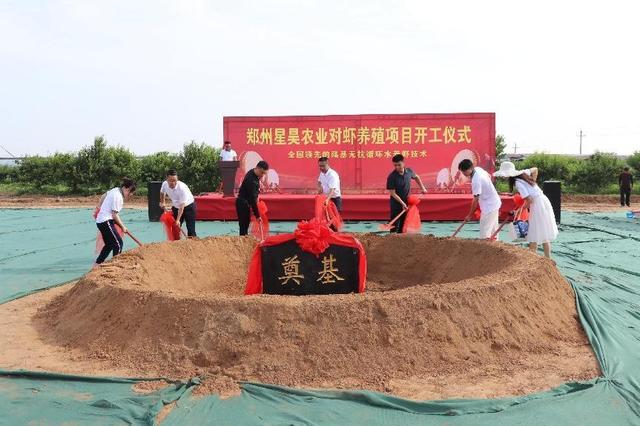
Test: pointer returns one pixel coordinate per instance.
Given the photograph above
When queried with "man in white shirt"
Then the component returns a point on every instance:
(329, 183)
(228, 154)
(485, 195)
(183, 205)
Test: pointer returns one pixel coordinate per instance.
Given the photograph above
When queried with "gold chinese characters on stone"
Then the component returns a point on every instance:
(291, 267)
(329, 273)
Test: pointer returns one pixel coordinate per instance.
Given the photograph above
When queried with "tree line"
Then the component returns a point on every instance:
(99, 166)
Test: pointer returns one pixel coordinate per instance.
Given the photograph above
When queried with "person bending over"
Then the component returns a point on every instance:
(485, 195)
(111, 204)
(183, 205)
(542, 222)
(399, 186)
(247, 199)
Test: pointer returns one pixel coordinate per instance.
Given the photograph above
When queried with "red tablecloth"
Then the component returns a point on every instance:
(451, 207)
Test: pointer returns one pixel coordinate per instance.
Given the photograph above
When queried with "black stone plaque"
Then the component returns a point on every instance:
(286, 269)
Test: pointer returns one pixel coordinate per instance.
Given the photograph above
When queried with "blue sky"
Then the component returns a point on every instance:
(151, 75)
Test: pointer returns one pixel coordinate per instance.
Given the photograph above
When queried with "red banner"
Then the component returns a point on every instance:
(360, 148)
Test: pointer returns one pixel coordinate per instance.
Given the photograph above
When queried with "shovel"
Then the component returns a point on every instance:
(388, 226)
(507, 220)
(134, 239)
(459, 228)
(183, 233)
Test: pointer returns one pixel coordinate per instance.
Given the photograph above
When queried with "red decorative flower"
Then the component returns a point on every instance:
(312, 236)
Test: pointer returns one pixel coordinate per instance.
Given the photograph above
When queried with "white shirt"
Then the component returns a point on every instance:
(180, 195)
(228, 155)
(483, 188)
(330, 180)
(113, 202)
(525, 190)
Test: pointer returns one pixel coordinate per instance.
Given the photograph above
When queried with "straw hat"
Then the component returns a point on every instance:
(507, 169)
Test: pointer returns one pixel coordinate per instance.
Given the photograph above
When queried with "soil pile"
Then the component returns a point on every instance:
(433, 308)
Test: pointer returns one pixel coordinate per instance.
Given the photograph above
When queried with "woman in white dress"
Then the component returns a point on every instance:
(542, 222)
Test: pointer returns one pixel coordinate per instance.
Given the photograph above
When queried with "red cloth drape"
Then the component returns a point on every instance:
(328, 214)
(254, 227)
(169, 224)
(412, 222)
(310, 238)
(476, 214)
(519, 201)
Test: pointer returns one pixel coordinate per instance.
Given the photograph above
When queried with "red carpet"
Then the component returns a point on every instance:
(452, 207)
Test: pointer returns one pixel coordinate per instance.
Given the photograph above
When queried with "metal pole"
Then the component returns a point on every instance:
(580, 141)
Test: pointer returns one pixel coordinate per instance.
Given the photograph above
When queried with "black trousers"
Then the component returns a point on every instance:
(396, 209)
(189, 216)
(111, 238)
(338, 202)
(244, 215)
(625, 197)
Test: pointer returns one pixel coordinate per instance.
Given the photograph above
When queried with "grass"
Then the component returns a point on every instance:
(21, 188)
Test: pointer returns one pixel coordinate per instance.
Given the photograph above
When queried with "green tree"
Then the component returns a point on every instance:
(501, 147)
(634, 162)
(35, 170)
(8, 173)
(199, 167)
(597, 172)
(124, 164)
(63, 170)
(100, 167)
(155, 166)
(552, 166)
(40, 171)
(90, 162)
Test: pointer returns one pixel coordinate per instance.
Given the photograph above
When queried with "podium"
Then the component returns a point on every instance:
(153, 200)
(553, 190)
(228, 173)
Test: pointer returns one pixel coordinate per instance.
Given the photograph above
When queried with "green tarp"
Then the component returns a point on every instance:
(598, 253)
(56, 399)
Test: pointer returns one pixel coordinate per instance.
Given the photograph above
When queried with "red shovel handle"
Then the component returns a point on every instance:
(459, 228)
(388, 226)
(507, 220)
(134, 239)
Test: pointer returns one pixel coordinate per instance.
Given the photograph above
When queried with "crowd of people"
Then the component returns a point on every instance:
(542, 224)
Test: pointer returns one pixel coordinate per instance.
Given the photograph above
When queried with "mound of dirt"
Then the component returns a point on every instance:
(433, 308)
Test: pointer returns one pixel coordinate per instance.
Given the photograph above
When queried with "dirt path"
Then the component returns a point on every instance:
(47, 201)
